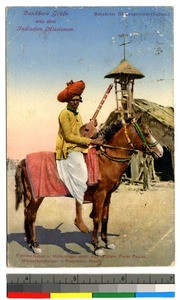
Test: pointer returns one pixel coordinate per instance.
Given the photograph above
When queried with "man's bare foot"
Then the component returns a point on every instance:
(81, 226)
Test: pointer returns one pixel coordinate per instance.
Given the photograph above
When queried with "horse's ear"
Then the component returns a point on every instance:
(138, 118)
(130, 120)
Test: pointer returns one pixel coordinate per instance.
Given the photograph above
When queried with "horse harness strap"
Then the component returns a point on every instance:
(120, 148)
(127, 137)
(117, 159)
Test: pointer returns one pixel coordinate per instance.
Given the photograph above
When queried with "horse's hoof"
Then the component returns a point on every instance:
(36, 250)
(99, 252)
(111, 246)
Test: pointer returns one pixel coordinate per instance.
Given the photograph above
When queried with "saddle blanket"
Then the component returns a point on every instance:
(44, 177)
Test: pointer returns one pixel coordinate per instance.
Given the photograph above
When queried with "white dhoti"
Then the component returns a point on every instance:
(73, 172)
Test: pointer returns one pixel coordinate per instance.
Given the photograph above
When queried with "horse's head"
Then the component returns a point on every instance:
(139, 136)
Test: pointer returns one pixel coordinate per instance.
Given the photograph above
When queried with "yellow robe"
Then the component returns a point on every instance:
(69, 138)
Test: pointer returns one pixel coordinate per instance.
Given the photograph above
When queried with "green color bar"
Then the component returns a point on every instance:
(113, 295)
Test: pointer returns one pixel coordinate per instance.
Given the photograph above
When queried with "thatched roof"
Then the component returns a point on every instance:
(163, 114)
(125, 68)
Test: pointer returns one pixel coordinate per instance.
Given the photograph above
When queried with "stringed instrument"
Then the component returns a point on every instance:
(89, 129)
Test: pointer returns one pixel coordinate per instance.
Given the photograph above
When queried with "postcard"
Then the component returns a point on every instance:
(115, 65)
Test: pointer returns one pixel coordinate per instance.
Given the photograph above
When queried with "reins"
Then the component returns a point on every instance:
(116, 147)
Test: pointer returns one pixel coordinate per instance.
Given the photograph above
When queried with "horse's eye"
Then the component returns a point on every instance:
(146, 134)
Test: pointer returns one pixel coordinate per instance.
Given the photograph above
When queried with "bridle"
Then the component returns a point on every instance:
(147, 147)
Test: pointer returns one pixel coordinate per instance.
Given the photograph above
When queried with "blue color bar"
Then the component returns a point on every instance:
(155, 295)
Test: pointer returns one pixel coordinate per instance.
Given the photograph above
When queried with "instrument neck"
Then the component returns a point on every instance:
(101, 103)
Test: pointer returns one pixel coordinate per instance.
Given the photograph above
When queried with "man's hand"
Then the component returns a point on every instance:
(98, 141)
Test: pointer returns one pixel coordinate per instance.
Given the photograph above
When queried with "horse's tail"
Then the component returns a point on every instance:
(19, 184)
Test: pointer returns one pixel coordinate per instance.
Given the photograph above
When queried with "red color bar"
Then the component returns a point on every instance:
(27, 295)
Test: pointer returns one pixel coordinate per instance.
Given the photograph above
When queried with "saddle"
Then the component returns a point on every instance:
(44, 177)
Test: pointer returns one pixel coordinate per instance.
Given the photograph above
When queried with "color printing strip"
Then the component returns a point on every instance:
(32, 295)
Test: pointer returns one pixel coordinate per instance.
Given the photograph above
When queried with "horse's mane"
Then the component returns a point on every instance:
(107, 132)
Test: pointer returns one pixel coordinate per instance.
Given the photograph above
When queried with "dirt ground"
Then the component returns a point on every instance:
(141, 225)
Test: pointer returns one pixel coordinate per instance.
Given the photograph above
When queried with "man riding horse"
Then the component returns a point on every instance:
(122, 141)
(70, 147)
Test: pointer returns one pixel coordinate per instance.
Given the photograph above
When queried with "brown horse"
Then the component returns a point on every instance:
(114, 157)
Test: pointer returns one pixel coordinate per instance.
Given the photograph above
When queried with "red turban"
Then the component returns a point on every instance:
(72, 89)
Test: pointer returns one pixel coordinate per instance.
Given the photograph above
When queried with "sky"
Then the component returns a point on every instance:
(48, 46)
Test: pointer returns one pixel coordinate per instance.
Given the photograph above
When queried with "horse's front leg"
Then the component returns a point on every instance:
(29, 225)
(104, 224)
(97, 216)
(105, 218)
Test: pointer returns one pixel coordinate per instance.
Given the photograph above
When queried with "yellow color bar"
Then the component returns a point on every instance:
(70, 295)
